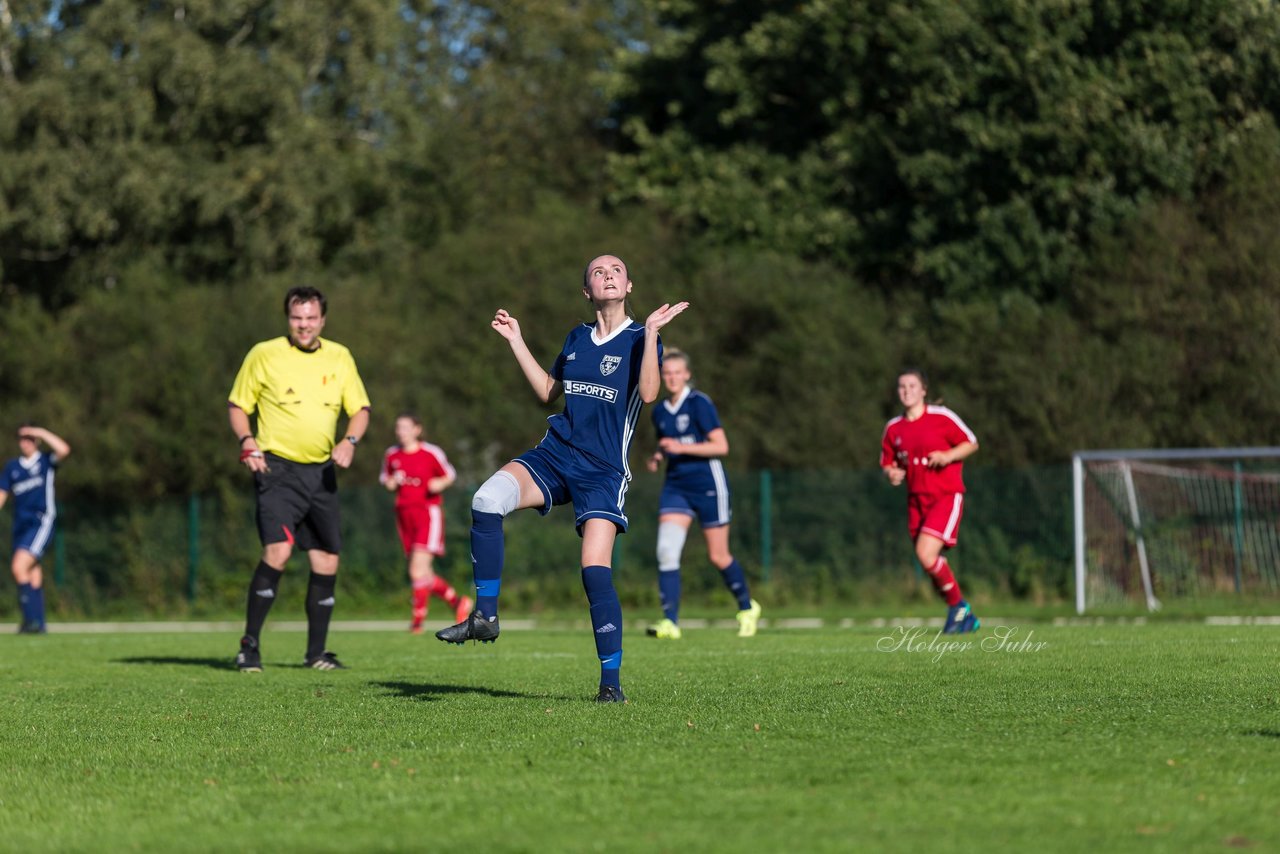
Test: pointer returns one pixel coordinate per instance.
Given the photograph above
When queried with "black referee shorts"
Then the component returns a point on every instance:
(298, 504)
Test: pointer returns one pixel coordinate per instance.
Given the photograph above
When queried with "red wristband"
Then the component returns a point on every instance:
(244, 455)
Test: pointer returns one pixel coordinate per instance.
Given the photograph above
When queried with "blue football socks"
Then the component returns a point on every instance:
(486, 560)
(669, 591)
(606, 621)
(736, 581)
(37, 606)
(25, 603)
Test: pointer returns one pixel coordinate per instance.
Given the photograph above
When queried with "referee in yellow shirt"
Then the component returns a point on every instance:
(297, 385)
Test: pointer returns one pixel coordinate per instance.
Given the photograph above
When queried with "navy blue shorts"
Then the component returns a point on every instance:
(33, 533)
(566, 475)
(709, 504)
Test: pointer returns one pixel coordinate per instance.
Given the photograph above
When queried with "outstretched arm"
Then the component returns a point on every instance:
(650, 373)
(544, 385)
(55, 442)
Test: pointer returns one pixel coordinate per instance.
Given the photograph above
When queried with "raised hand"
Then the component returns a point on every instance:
(506, 325)
(663, 315)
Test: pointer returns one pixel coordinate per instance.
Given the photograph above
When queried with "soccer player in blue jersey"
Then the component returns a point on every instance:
(29, 479)
(606, 371)
(692, 442)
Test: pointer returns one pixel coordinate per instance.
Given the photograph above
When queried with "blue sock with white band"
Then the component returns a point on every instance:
(487, 554)
(606, 621)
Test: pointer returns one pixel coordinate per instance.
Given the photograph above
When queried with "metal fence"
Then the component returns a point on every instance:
(808, 535)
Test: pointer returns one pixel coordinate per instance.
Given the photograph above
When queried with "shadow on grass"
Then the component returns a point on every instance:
(428, 692)
(189, 661)
(1263, 733)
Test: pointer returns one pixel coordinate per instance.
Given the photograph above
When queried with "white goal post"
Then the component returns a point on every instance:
(1178, 522)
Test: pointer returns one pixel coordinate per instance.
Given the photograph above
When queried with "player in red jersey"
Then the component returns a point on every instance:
(926, 447)
(417, 472)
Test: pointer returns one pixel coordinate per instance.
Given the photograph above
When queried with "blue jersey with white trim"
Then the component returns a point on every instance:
(29, 482)
(601, 383)
(691, 418)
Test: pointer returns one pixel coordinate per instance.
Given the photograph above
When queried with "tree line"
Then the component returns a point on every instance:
(1062, 211)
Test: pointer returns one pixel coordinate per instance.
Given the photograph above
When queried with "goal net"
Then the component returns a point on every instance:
(1171, 524)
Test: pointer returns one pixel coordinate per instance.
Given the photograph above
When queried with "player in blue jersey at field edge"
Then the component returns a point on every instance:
(29, 479)
(606, 370)
(692, 442)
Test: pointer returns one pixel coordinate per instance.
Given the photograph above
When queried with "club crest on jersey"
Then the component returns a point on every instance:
(682, 423)
(609, 364)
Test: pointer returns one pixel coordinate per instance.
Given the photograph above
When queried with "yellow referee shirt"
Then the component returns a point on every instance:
(298, 395)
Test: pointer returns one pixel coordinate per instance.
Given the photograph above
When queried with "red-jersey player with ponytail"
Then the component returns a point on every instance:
(926, 447)
(417, 472)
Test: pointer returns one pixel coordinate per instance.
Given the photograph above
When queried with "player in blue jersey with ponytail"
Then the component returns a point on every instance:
(606, 370)
(692, 442)
(29, 479)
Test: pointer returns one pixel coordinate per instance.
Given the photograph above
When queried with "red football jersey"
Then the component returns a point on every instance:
(909, 442)
(419, 467)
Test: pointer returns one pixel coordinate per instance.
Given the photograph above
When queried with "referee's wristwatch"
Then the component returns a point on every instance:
(353, 440)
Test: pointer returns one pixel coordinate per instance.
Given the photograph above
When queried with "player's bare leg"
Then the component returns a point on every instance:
(426, 583)
(420, 578)
(960, 616)
(24, 562)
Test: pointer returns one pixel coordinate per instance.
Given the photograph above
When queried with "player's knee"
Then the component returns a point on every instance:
(276, 555)
(499, 494)
(671, 538)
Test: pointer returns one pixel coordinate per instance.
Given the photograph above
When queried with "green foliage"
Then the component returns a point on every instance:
(239, 140)
(234, 140)
(1063, 211)
(969, 148)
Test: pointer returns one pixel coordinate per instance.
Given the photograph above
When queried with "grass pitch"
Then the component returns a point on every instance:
(1158, 737)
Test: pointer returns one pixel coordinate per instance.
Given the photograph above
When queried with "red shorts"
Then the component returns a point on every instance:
(421, 527)
(936, 514)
